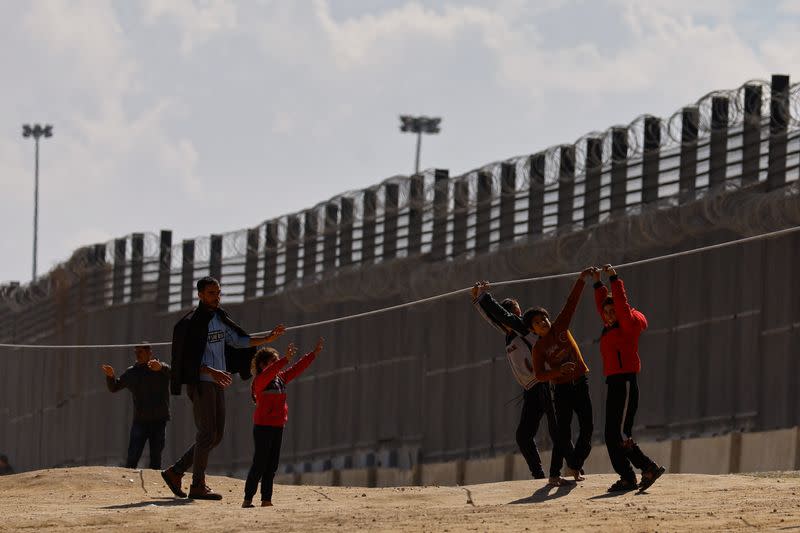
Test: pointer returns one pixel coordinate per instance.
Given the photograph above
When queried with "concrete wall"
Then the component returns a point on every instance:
(726, 454)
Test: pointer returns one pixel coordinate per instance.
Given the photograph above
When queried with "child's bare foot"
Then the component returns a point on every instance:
(576, 474)
(558, 482)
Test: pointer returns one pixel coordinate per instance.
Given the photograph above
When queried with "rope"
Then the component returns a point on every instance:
(770, 235)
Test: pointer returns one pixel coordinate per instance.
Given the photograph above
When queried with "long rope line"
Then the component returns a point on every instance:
(770, 235)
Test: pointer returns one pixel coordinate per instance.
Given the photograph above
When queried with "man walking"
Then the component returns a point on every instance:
(200, 360)
(148, 381)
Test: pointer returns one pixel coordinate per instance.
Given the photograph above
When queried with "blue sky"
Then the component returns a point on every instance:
(210, 116)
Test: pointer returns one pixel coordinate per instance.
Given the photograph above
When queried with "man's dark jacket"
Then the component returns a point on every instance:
(150, 391)
(189, 338)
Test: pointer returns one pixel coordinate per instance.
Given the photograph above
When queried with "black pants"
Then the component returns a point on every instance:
(141, 432)
(573, 397)
(265, 461)
(537, 402)
(622, 402)
(208, 406)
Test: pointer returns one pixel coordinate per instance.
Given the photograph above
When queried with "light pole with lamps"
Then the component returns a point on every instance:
(419, 125)
(36, 131)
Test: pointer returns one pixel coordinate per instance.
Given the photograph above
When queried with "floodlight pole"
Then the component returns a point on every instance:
(419, 145)
(36, 132)
(419, 125)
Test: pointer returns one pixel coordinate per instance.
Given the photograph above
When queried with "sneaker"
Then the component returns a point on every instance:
(623, 485)
(650, 476)
(247, 503)
(173, 481)
(203, 492)
(266, 503)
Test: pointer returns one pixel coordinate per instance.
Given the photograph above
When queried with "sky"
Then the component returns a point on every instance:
(210, 116)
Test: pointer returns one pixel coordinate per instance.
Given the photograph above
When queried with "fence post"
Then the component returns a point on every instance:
(651, 159)
(718, 148)
(215, 258)
(778, 123)
(368, 224)
(460, 207)
(164, 270)
(751, 134)
(292, 247)
(594, 172)
(99, 275)
(310, 243)
(118, 291)
(536, 195)
(687, 174)
(508, 200)
(484, 212)
(619, 170)
(271, 257)
(251, 263)
(346, 232)
(566, 185)
(329, 241)
(187, 273)
(390, 204)
(137, 260)
(441, 199)
(415, 209)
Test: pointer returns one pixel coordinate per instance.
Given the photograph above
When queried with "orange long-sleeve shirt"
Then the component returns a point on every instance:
(558, 346)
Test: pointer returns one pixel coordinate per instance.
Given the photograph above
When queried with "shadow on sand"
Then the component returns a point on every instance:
(158, 502)
(546, 493)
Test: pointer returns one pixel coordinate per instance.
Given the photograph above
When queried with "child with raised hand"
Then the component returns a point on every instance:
(271, 414)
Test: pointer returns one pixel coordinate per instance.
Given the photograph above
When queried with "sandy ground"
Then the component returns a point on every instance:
(106, 498)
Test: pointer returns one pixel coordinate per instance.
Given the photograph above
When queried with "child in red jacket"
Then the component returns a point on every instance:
(619, 346)
(272, 412)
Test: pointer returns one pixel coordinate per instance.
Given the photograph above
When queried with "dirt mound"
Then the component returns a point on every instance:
(106, 498)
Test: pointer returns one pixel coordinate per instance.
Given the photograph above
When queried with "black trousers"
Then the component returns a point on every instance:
(573, 397)
(622, 402)
(538, 402)
(208, 406)
(265, 461)
(141, 432)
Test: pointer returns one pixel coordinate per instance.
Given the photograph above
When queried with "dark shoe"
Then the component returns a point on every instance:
(266, 503)
(623, 485)
(650, 476)
(202, 492)
(173, 481)
(247, 503)
(539, 474)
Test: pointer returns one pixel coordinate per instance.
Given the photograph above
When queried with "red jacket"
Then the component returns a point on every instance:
(269, 390)
(619, 343)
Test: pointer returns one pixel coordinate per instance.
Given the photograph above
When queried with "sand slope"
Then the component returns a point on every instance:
(106, 498)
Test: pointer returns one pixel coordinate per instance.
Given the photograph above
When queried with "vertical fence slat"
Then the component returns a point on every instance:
(508, 200)
(164, 270)
(270, 257)
(292, 247)
(619, 170)
(187, 273)
(483, 213)
(687, 175)
(415, 209)
(368, 223)
(440, 200)
(137, 264)
(251, 263)
(751, 134)
(536, 195)
(329, 241)
(310, 243)
(392, 192)
(594, 172)
(215, 258)
(346, 232)
(718, 148)
(118, 287)
(778, 124)
(651, 159)
(460, 203)
(566, 185)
